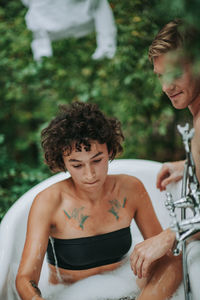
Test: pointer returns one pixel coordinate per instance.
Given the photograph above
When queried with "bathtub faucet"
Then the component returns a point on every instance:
(191, 190)
(186, 227)
(191, 200)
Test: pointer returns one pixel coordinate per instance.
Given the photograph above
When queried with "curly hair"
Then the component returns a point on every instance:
(176, 34)
(78, 124)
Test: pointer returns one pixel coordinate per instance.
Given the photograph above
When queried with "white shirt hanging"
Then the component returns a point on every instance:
(51, 20)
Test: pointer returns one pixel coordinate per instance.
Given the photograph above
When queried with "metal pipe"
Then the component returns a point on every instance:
(186, 281)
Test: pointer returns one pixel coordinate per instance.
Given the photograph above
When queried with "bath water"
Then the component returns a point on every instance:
(56, 261)
(116, 284)
(120, 283)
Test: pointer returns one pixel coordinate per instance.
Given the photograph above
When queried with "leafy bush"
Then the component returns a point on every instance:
(16, 178)
(125, 86)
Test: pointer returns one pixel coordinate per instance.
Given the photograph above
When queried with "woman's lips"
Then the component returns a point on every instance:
(91, 183)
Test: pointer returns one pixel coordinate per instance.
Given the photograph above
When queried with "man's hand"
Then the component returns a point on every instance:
(147, 252)
(170, 172)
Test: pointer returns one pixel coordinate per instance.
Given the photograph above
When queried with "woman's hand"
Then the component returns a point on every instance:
(170, 172)
(147, 252)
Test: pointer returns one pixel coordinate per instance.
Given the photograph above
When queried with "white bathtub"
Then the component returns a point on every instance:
(13, 229)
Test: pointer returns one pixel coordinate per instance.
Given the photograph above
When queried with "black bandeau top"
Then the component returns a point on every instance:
(90, 252)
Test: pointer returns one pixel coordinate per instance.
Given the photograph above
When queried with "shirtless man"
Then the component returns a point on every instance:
(175, 70)
(180, 81)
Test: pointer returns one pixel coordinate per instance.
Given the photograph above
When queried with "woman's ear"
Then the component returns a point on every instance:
(110, 155)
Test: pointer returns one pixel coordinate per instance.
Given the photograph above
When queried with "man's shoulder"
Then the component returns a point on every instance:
(197, 121)
(196, 124)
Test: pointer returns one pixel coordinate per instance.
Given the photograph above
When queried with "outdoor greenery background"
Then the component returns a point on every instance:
(125, 87)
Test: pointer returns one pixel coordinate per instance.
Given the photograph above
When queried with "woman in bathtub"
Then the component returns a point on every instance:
(87, 217)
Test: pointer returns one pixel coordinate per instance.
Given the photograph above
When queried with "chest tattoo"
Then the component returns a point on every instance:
(77, 214)
(116, 205)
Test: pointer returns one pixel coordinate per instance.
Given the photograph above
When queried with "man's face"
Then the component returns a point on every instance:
(177, 80)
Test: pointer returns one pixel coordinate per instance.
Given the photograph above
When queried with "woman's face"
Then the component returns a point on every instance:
(88, 169)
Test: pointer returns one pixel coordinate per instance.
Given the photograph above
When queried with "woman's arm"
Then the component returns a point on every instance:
(156, 243)
(38, 229)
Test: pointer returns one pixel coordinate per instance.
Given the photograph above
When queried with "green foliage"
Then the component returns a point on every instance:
(125, 87)
(189, 11)
(15, 179)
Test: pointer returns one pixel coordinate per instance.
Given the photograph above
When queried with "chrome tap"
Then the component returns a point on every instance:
(190, 199)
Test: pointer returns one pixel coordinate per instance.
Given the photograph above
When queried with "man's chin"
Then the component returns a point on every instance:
(178, 105)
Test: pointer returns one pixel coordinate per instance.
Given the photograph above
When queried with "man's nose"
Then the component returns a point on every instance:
(168, 86)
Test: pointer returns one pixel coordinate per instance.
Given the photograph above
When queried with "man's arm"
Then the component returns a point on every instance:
(170, 172)
(196, 147)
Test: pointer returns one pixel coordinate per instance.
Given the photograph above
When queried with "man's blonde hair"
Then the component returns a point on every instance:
(168, 38)
(175, 34)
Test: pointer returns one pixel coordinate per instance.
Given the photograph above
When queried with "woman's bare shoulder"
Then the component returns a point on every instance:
(127, 180)
(49, 198)
(130, 185)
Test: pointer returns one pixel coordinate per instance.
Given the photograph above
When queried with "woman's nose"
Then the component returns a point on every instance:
(89, 172)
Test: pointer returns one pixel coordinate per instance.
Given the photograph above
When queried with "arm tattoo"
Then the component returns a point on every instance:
(34, 285)
(77, 215)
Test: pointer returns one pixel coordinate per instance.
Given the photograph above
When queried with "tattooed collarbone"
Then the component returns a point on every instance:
(116, 205)
(77, 215)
